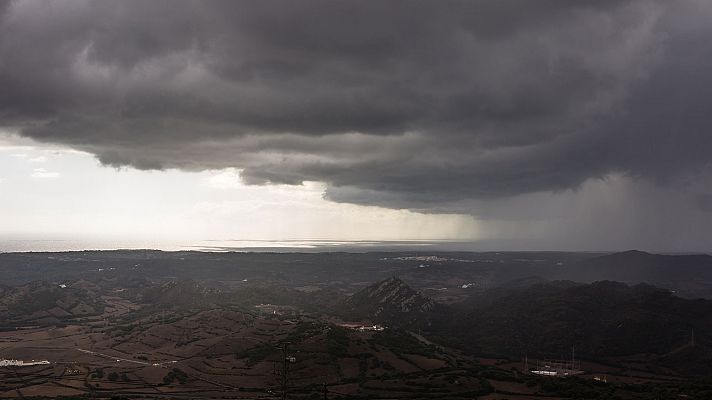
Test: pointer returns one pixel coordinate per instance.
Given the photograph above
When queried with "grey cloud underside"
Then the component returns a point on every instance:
(402, 104)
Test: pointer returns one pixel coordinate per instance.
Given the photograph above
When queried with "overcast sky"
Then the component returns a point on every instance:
(521, 124)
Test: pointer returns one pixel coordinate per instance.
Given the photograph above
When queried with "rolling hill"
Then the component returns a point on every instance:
(43, 303)
(687, 275)
(603, 319)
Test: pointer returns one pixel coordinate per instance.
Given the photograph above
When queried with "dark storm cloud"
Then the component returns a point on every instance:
(403, 104)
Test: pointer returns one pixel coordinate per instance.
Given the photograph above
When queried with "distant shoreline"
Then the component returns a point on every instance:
(295, 246)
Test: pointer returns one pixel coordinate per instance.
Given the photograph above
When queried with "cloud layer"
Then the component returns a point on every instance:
(424, 105)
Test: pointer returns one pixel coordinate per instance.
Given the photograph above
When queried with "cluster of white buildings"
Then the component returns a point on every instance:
(364, 328)
(372, 328)
(20, 363)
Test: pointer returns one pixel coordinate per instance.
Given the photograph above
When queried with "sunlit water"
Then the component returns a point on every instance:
(56, 245)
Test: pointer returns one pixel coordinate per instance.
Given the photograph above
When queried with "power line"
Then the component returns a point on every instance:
(282, 374)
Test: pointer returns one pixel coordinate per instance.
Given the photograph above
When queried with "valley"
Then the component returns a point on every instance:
(373, 326)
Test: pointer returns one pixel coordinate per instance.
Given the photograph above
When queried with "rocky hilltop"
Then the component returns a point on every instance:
(391, 301)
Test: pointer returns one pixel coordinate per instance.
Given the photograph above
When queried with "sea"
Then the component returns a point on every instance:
(10, 245)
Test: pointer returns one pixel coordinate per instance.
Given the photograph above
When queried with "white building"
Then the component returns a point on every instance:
(20, 363)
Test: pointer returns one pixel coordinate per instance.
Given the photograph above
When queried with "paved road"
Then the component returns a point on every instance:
(119, 359)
